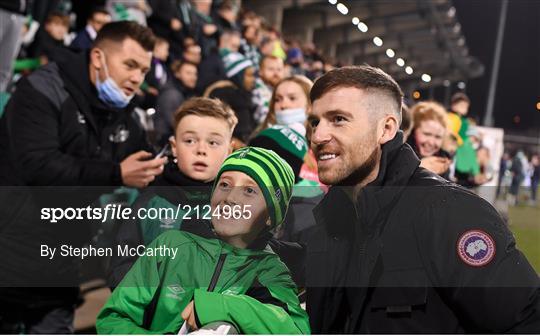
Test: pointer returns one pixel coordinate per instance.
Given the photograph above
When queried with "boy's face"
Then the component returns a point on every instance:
(236, 191)
(201, 144)
(56, 29)
(461, 107)
(187, 74)
(161, 51)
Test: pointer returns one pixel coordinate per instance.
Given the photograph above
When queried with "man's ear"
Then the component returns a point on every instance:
(96, 58)
(389, 125)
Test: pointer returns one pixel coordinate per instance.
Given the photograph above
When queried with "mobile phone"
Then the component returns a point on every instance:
(164, 151)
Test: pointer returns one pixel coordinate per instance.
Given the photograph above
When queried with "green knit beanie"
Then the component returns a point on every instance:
(271, 173)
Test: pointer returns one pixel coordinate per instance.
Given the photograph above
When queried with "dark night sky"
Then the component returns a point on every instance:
(518, 88)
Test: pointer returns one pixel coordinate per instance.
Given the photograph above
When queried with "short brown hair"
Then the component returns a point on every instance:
(121, 30)
(429, 110)
(269, 57)
(206, 107)
(178, 64)
(363, 77)
(458, 97)
(58, 17)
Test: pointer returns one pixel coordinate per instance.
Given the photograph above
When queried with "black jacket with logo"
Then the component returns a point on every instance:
(395, 260)
(55, 133)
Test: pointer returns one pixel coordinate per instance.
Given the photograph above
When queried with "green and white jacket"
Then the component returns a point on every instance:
(249, 288)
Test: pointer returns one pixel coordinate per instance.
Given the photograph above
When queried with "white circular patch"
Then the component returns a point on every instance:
(476, 248)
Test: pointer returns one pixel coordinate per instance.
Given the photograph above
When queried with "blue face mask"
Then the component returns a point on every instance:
(109, 92)
(291, 116)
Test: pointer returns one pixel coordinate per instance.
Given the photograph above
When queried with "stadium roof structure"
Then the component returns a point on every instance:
(424, 34)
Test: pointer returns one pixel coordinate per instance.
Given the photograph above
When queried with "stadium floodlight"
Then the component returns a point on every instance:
(362, 27)
(426, 78)
(390, 53)
(400, 62)
(355, 21)
(377, 41)
(342, 8)
(409, 70)
(332, 2)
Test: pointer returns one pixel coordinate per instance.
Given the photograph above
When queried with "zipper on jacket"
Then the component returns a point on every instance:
(217, 272)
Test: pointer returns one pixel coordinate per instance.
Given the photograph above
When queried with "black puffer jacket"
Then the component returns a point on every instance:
(415, 253)
(55, 134)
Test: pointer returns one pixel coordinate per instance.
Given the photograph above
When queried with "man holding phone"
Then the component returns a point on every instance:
(67, 124)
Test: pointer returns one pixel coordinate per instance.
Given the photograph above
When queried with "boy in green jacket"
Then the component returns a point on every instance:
(202, 141)
(236, 279)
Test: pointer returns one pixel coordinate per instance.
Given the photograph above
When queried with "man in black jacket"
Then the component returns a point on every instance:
(67, 124)
(396, 248)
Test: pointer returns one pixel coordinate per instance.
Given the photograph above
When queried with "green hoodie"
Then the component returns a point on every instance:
(250, 288)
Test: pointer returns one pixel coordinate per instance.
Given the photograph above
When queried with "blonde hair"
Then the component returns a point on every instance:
(429, 110)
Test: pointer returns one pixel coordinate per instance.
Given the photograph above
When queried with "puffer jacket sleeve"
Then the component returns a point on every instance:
(471, 256)
(270, 306)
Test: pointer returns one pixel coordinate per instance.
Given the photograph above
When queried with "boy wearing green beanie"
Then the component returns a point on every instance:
(235, 278)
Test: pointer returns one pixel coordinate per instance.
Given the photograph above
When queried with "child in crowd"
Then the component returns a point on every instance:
(202, 140)
(234, 278)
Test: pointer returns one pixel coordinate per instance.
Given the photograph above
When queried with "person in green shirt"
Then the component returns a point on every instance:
(235, 278)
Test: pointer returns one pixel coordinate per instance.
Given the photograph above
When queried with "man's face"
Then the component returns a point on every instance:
(201, 144)
(251, 34)
(461, 107)
(271, 71)
(98, 20)
(193, 54)
(236, 190)
(127, 64)
(187, 74)
(344, 138)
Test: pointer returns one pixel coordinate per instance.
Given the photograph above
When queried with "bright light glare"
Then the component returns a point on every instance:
(400, 62)
(342, 8)
(377, 41)
(390, 53)
(426, 78)
(363, 27)
(355, 21)
(409, 70)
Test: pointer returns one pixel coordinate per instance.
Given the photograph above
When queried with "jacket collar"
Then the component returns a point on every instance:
(178, 188)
